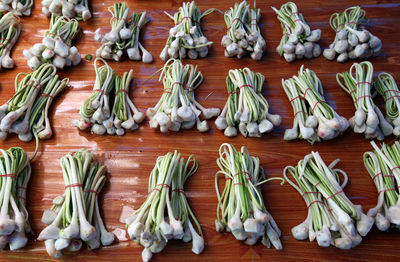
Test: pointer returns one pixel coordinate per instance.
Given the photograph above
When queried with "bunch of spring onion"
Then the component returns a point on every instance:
(314, 118)
(332, 218)
(241, 209)
(26, 113)
(368, 118)
(243, 35)
(166, 213)
(124, 36)
(102, 116)
(383, 166)
(75, 215)
(56, 45)
(15, 172)
(298, 40)
(78, 9)
(246, 108)
(10, 28)
(186, 38)
(177, 108)
(18, 7)
(351, 41)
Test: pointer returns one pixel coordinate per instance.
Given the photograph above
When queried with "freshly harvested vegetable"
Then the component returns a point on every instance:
(383, 166)
(102, 116)
(351, 41)
(186, 38)
(124, 36)
(298, 40)
(177, 108)
(10, 28)
(243, 35)
(246, 108)
(78, 9)
(241, 208)
(56, 46)
(17, 7)
(314, 118)
(332, 218)
(368, 118)
(166, 213)
(15, 171)
(75, 215)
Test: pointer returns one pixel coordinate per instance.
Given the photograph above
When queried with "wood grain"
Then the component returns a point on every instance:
(130, 158)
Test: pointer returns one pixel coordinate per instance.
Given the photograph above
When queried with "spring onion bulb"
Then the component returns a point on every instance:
(332, 218)
(78, 9)
(75, 216)
(18, 7)
(298, 40)
(166, 213)
(56, 46)
(243, 35)
(351, 41)
(15, 171)
(10, 28)
(314, 119)
(186, 38)
(177, 108)
(124, 36)
(241, 209)
(382, 165)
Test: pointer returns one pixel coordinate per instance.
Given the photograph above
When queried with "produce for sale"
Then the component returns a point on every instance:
(17, 7)
(78, 9)
(10, 28)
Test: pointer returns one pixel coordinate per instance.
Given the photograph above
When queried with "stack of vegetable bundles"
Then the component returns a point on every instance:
(186, 38)
(243, 35)
(75, 215)
(246, 108)
(78, 9)
(351, 41)
(298, 41)
(166, 213)
(177, 108)
(15, 171)
(382, 165)
(314, 118)
(102, 116)
(56, 45)
(241, 209)
(332, 218)
(18, 7)
(26, 113)
(124, 36)
(10, 28)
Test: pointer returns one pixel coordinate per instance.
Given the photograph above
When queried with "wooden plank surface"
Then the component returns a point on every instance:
(130, 158)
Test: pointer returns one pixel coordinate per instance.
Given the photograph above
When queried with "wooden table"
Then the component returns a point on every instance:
(130, 158)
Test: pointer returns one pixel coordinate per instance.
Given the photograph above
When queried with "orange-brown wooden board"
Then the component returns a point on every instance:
(130, 158)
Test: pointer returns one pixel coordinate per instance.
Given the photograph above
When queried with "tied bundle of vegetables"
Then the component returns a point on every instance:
(99, 114)
(243, 35)
(241, 209)
(332, 218)
(298, 40)
(18, 7)
(75, 215)
(186, 38)
(10, 28)
(177, 108)
(246, 108)
(368, 118)
(351, 41)
(383, 166)
(314, 118)
(15, 172)
(26, 113)
(56, 46)
(78, 9)
(166, 213)
(124, 36)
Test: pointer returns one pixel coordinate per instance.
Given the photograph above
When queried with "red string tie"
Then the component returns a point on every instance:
(338, 192)
(121, 90)
(361, 97)
(9, 175)
(315, 105)
(313, 192)
(35, 84)
(359, 83)
(179, 190)
(74, 185)
(159, 190)
(234, 20)
(298, 112)
(316, 201)
(47, 95)
(297, 97)
(305, 92)
(100, 90)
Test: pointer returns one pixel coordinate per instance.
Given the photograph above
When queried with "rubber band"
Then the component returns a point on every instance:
(176, 83)
(316, 201)
(179, 190)
(37, 86)
(361, 97)
(387, 189)
(298, 112)
(243, 172)
(391, 98)
(9, 175)
(159, 190)
(187, 17)
(358, 83)
(317, 184)
(338, 192)
(234, 92)
(315, 105)
(255, 23)
(305, 92)
(168, 90)
(5, 45)
(100, 90)
(313, 192)
(375, 176)
(122, 90)
(297, 97)
(236, 19)
(391, 90)
(47, 95)
(352, 91)
(92, 191)
(240, 87)
(74, 185)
